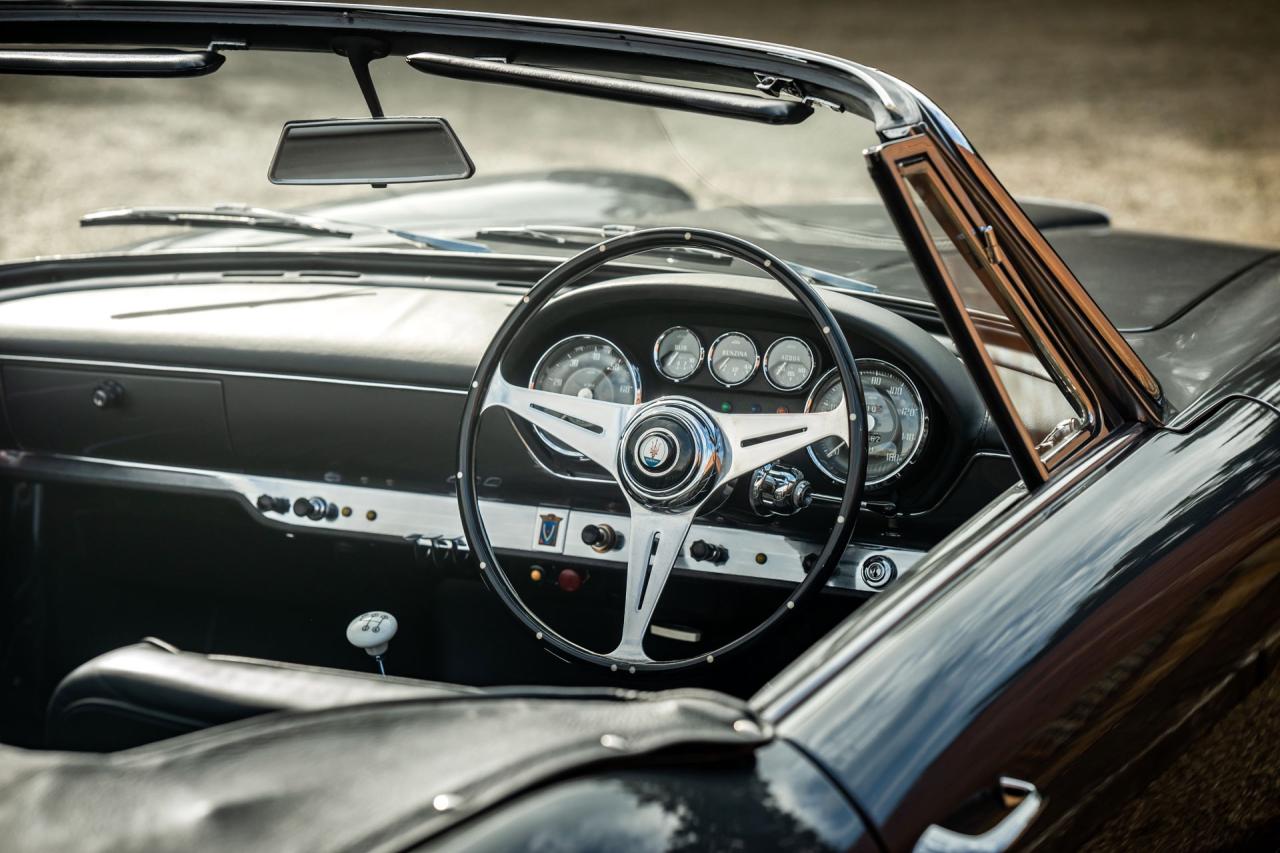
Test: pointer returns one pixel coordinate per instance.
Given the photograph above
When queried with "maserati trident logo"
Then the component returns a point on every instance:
(655, 451)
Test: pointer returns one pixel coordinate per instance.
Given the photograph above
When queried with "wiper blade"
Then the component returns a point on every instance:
(264, 219)
(584, 236)
(219, 216)
(816, 276)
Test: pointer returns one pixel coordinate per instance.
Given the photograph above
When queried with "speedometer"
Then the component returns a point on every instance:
(585, 366)
(896, 422)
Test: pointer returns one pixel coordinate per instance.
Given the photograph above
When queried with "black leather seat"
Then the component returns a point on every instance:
(149, 691)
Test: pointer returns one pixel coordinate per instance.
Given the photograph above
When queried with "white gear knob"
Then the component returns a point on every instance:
(372, 632)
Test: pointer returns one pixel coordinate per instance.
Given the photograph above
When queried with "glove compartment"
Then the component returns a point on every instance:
(168, 420)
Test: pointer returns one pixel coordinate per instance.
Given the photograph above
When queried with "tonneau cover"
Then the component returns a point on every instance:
(373, 777)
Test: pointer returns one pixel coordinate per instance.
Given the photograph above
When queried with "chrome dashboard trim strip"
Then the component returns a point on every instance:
(400, 515)
(217, 371)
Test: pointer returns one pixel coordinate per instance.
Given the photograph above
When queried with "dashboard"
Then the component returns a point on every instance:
(331, 406)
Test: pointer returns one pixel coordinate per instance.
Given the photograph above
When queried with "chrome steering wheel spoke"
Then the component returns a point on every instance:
(654, 542)
(754, 440)
(591, 427)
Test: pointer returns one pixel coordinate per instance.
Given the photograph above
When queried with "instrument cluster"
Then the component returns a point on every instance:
(592, 366)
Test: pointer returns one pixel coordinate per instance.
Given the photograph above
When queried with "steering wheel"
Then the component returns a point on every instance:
(669, 455)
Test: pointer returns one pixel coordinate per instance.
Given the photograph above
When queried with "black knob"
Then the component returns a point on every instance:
(107, 394)
(705, 552)
(267, 503)
(315, 509)
(601, 537)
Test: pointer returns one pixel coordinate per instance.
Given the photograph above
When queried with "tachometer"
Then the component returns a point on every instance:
(788, 364)
(678, 353)
(896, 422)
(585, 366)
(733, 358)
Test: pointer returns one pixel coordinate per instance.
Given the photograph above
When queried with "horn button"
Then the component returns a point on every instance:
(670, 454)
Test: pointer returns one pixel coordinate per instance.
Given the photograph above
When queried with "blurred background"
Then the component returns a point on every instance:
(1165, 113)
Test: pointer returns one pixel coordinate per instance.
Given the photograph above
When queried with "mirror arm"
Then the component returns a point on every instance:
(360, 51)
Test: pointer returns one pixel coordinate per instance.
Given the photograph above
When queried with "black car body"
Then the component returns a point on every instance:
(1031, 624)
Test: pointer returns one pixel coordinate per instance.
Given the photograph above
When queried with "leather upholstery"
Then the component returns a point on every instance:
(151, 690)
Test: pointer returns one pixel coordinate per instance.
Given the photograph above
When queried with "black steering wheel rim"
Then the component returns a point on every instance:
(573, 270)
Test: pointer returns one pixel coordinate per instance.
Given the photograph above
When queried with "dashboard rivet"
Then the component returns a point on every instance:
(482, 564)
(475, 384)
(711, 658)
(840, 519)
(371, 515)
(538, 636)
(602, 248)
(688, 236)
(525, 299)
(791, 605)
(613, 668)
(631, 669)
(459, 475)
(767, 263)
(346, 512)
(826, 330)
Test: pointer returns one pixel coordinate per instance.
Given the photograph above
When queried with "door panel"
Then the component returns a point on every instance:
(1081, 652)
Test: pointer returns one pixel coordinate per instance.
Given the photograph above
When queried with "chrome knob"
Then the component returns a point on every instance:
(779, 490)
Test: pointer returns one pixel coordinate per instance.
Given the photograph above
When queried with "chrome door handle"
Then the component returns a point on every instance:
(998, 838)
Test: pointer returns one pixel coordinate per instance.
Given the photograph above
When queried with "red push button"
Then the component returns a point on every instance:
(569, 580)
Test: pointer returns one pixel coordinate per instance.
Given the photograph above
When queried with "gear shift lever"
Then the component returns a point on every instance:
(372, 632)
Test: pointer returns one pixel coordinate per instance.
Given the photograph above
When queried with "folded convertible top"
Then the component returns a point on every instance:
(372, 777)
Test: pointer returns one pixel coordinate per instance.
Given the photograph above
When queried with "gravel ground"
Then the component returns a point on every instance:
(1162, 112)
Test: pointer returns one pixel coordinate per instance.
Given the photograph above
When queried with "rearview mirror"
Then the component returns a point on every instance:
(369, 151)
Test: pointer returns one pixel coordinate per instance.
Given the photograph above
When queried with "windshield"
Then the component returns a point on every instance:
(72, 146)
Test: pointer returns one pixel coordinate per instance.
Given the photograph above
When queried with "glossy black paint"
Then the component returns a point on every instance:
(1079, 654)
(775, 801)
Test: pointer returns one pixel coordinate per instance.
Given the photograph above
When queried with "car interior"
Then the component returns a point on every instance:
(224, 440)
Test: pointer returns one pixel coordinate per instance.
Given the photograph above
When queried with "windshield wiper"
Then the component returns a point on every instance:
(813, 275)
(585, 236)
(263, 219)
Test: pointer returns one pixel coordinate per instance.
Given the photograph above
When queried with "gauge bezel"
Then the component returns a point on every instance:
(924, 422)
(533, 378)
(813, 364)
(657, 347)
(711, 359)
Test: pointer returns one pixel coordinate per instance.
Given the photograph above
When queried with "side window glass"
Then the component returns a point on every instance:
(1051, 409)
